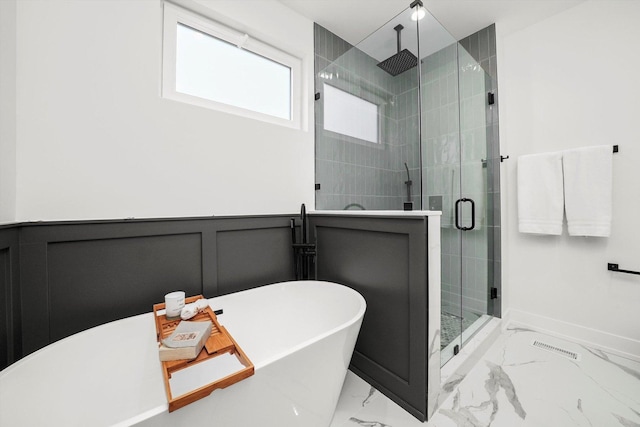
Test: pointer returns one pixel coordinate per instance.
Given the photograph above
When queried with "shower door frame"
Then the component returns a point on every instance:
(490, 281)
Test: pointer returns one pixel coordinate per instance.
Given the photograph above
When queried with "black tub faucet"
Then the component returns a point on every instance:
(304, 253)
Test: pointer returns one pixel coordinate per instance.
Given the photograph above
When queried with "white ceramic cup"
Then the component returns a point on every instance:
(174, 303)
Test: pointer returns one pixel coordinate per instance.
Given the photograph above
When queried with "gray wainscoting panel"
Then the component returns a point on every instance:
(377, 266)
(34, 291)
(247, 258)
(5, 307)
(385, 259)
(10, 339)
(92, 282)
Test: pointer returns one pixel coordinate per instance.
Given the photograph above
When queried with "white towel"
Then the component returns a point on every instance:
(540, 193)
(588, 185)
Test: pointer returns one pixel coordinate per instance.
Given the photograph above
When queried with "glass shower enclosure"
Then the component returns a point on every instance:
(406, 120)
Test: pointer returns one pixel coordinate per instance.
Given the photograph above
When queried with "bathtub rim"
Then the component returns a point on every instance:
(354, 319)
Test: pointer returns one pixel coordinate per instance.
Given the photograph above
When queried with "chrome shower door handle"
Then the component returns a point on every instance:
(473, 214)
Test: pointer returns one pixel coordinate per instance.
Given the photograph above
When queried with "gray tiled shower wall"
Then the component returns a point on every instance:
(357, 174)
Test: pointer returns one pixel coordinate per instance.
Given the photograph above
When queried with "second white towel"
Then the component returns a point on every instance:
(588, 188)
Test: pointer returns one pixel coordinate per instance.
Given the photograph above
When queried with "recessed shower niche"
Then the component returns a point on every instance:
(407, 119)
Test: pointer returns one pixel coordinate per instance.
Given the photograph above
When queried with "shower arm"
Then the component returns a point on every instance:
(398, 29)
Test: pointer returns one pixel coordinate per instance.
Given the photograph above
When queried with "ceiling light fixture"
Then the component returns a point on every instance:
(418, 14)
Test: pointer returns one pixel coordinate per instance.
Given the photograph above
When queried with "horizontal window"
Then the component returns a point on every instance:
(208, 64)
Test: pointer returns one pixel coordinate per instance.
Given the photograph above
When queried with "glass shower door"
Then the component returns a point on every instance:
(441, 171)
(476, 165)
(454, 162)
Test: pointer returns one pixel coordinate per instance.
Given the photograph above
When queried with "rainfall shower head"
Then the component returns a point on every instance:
(401, 61)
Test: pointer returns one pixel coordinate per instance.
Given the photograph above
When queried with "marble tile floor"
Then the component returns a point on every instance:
(362, 405)
(517, 384)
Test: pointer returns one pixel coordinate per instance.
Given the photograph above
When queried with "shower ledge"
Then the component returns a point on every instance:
(397, 213)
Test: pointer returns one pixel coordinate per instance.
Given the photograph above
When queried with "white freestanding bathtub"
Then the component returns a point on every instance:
(299, 335)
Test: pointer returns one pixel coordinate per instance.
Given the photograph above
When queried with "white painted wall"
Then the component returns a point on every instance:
(7, 110)
(96, 140)
(571, 81)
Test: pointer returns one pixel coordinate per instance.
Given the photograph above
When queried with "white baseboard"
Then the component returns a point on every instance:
(613, 344)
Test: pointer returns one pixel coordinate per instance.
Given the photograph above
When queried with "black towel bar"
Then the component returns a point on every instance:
(614, 267)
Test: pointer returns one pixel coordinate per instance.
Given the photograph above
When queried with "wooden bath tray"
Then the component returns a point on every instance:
(220, 342)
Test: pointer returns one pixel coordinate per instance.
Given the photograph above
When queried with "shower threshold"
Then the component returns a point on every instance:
(450, 325)
(447, 351)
